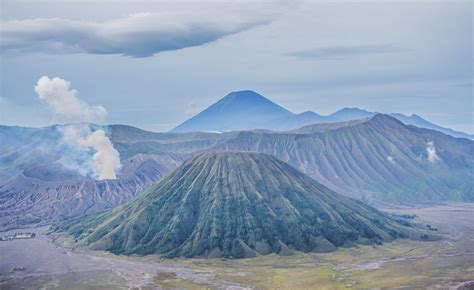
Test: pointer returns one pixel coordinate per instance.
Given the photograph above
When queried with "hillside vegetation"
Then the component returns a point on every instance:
(376, 159)
(235, 205)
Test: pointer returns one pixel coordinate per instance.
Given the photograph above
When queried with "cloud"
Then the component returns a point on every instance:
(136, 35)
(64, 102)
(344, 52)
(431, 152)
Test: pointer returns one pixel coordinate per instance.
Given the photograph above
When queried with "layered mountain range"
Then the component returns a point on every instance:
(39, 185)
(235, 205)
(43, 195)
(376, 159)
(246, 110)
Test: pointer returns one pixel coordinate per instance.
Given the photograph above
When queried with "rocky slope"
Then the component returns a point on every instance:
(378, 158)
(235, 205)
(35, 197)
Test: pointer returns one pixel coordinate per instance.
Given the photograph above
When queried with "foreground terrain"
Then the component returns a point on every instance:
(403, 263)
(236, 205)
(375, 159)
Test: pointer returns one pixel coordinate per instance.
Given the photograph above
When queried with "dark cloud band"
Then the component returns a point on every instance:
(138, 35)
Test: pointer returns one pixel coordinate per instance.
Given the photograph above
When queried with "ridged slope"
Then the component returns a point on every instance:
(29, 198)
(234, 205)
(377, 159)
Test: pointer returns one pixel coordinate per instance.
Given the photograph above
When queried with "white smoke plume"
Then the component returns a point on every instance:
(91, 153)
(106, 159)
(75, 156)
(64, 102)
(390, 159)
(431, 152)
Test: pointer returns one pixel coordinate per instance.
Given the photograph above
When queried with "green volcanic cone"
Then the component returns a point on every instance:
(236, 205)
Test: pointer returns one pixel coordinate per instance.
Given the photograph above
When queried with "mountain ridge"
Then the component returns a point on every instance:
(375, 159)
(32, 198)
(248, 119)
(235, 205)
(379, 158)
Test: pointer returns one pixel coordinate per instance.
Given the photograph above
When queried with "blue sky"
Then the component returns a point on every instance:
(154, 64)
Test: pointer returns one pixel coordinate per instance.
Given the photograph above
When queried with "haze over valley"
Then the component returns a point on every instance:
(230, 145)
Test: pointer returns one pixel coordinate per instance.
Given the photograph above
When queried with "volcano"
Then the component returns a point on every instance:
(241, 110)
(234, 205)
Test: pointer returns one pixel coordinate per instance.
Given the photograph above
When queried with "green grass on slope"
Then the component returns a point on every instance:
(235, 205)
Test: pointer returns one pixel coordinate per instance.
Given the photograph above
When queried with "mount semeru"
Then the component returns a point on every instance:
(248, 110)
(235, 205)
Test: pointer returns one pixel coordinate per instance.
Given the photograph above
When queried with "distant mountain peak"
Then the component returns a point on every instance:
(352, 109)
(382, 116)
(417, 117)
(347, 114)
(309, 113)
(244, 98)
(249, 110)
(245, 93)
(239, 110)
(385, 118)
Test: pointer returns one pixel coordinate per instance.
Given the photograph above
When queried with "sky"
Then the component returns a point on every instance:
(155, 64)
